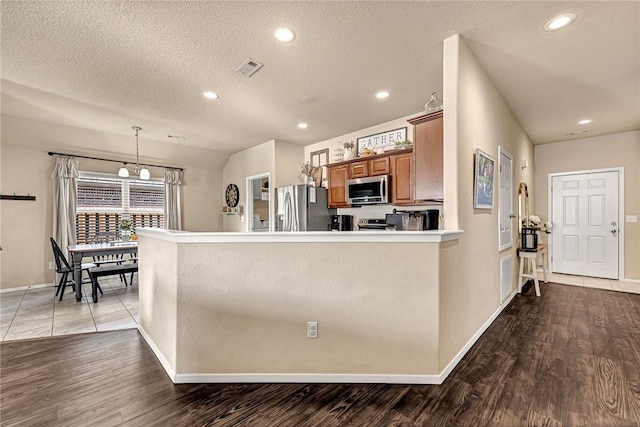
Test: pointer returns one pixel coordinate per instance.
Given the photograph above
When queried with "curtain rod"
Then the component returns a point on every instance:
(51, 153)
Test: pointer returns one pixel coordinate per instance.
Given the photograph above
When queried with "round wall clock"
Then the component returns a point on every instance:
(232, 195)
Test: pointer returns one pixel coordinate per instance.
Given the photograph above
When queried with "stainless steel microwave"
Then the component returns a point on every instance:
(368, 191)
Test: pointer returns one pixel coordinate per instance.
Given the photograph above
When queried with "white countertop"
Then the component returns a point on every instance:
(435, 236)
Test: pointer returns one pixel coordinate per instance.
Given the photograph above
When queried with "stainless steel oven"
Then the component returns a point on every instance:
(368, 191)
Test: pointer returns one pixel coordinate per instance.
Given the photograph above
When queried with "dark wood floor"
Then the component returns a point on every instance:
(569, 358)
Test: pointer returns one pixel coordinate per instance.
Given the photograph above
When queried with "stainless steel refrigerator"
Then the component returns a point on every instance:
(302, 208)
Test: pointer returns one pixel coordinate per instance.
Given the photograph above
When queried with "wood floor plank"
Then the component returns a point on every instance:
(568, 358)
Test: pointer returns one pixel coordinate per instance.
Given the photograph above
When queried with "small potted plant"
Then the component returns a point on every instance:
(125, 230)
(403, 144)
(349, 150)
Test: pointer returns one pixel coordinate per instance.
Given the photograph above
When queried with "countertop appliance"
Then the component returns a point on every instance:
(414, 220)
(373, 224)
(301, 208)
(341, 223)
(368, 191)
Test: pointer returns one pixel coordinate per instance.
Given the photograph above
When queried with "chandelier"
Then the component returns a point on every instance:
(141, 171)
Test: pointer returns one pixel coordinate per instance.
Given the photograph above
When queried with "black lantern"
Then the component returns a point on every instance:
(529, 239)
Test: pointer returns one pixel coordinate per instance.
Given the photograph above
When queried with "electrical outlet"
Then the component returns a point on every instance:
(52, 265)
(632, 218)
(312, 329)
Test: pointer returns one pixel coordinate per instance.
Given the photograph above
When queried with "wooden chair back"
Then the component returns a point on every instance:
(62, 265)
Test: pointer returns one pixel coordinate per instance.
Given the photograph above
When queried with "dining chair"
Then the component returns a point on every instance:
(63, 268)
(106, 237)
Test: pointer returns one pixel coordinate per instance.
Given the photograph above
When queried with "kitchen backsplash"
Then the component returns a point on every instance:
(379, 211)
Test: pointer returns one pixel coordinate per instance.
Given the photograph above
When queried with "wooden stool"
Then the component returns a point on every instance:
(532, 256)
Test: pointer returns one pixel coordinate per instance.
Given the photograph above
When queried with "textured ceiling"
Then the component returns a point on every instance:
(108, 65)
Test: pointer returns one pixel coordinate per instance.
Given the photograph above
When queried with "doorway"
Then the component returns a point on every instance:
(505, 199)
(259, 203)
(588, 236)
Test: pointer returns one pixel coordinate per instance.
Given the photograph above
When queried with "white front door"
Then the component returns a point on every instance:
(585, 224)
(505, 199)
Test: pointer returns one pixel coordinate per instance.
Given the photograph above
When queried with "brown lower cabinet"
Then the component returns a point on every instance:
(338, 176)
(402, 179)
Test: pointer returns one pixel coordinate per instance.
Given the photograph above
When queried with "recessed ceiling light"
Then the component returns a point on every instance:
(211, 95)
(303, 125)
(382, 94)
(585, 122)
(284, 34)
(559, 21)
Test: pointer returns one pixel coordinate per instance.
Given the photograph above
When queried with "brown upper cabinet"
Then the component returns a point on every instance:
(359, 169)
(373, 167)
(428, 156)
(379, 166)
(402, 179)
(416, 174)
(338, 176)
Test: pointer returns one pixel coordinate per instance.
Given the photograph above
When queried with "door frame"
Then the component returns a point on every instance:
(501, 204)
(620, 170)
(249, 201)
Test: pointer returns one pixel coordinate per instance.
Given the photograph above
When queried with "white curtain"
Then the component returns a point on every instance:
(64, 178)
(172, 197)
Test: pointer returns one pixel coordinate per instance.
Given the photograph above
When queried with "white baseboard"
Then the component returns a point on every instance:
(454, 362)
(24, 288)
(321, 378)
(630, 280)
(171, 372)
(307, 378)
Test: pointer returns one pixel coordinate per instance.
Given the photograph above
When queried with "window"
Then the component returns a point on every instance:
(104, 200)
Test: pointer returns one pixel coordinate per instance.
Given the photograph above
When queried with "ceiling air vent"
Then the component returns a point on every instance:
(577, 132)
(249, 67)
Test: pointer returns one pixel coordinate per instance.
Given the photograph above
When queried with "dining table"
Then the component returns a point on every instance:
(83, 250)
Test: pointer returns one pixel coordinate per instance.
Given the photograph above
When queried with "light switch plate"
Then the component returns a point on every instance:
(631, 218)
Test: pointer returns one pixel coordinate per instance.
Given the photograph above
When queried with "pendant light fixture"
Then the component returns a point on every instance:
(141, 171)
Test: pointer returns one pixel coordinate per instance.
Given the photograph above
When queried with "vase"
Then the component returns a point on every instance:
(349, 154)
(434, 104)
(125, 236)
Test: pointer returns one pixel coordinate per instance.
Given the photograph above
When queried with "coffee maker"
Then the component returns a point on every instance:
(341, 223)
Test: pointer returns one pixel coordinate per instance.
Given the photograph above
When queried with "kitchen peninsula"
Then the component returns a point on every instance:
(234, 307)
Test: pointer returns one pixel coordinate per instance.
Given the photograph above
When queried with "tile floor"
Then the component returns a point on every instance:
(36, 313)
(592, 282)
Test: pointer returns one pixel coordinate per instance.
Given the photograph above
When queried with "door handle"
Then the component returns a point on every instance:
(512, 216)
(614, 231)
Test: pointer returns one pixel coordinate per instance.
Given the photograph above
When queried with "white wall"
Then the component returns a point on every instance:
(282, 160)
(288, 162)
(252, 161)
(242, 318)
(599, 152)
(25, 227)
(475, 116)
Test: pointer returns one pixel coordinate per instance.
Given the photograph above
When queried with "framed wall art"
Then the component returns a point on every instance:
(382, 140)
(320, 158)
(483, 182)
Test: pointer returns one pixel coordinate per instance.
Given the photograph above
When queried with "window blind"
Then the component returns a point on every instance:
(104, 200)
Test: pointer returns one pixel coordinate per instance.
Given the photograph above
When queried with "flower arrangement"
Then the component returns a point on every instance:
(309, 171)
(535, 223)
(345, 151)
(126, 225)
